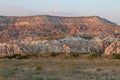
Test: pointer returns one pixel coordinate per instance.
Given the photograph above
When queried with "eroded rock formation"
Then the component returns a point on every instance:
(14, 27)
(42, 34)
(113, 48)
(66, 45)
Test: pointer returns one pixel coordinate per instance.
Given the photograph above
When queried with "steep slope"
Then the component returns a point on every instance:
(113, 48)
(13, 27)
(36, 34)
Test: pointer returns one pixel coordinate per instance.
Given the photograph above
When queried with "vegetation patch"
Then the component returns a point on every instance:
(19, 56)
(74, 54)
(114, 56)
(54, 54)
(39, 68)
(94, 55)
(60, 54)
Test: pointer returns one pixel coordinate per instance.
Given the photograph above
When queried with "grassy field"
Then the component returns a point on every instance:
(59, 68)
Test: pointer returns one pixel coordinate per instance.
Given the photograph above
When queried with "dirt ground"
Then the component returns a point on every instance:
(59, 69)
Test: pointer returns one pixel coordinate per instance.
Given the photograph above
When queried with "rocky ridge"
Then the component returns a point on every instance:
(15, 27)
(43, 34)
(66, 45)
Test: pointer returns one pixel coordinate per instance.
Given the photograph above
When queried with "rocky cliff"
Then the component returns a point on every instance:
(57, 34)
(66, 45)
(113, 48)
(14, 27)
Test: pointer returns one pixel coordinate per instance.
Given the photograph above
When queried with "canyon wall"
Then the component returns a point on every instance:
(42, 34)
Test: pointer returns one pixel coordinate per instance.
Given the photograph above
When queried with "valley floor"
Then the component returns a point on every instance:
(59, 69)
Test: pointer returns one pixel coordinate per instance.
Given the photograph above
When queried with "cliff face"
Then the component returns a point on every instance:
(57, 34)
(47, 25)
(67, 45)
(113, 48)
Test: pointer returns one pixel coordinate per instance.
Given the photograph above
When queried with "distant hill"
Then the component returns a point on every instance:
(45, 25)
(48, 34)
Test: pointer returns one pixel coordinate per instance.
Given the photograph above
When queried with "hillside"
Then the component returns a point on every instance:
(46, 33)
(13, 27)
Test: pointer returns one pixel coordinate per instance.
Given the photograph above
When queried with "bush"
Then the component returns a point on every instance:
(74, 54)
(54, 54)
(11, 56)
(114, 56)
(38, 68)
(94, 55)
(22, 57)
(26, 56)
(87, 36)
(99, 69)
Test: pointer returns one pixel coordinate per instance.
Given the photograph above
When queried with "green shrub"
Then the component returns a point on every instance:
(99, 69)
(22, 57)
(54, 54)
(11, 56)
(38, 68)
(94, 55)
(85, 53)
(26, 56)
(74, 54)
(114, 56)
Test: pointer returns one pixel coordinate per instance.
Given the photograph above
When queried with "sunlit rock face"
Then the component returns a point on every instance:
(66, 45)
(9, 48)
(43, 34)
(13, 27)
(113, 48)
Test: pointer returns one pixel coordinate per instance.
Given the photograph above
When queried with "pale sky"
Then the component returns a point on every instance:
(109, 9)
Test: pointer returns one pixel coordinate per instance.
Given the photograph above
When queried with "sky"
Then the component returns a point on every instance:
(109, 9)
